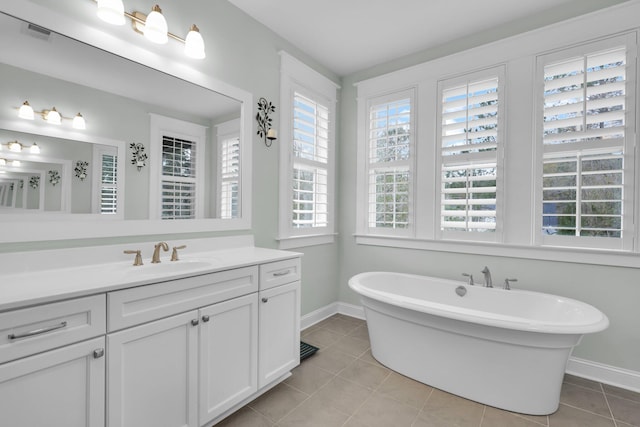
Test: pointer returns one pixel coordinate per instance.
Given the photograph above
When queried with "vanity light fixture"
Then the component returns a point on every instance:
(52, 116)
(264, 121)
(5, 162)
(153, 26)
(17, 147)
(34, 149)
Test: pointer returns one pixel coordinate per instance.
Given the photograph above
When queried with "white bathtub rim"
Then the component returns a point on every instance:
(476, 316)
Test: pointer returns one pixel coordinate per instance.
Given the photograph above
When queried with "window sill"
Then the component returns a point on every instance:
(612, 258)
(306, 240)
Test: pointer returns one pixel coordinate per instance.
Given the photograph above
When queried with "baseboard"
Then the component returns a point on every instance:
(595, 371)
(606, 374)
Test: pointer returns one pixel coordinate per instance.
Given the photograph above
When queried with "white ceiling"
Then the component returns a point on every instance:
(351, 35)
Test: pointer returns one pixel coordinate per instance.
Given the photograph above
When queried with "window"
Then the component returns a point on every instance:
(177, 162)
(307, 156)
(470, 140)
(586, 165)
(228, 169)
(108, 183)
(389, 159)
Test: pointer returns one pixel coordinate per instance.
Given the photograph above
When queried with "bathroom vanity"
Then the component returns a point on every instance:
(183, 344)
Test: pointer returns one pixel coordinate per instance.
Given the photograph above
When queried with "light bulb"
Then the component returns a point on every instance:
(34, 149)
(155, 26)
(194, 44)
(26, 112)
(15, 146)
(111, 11)
(54, 117)
(78, 122)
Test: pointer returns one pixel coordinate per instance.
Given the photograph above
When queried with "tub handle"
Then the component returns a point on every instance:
(461, 291)
(506, 283)
(470, 276)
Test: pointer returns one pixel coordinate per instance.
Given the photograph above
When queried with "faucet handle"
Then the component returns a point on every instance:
(470, 276)
(506, 283)
(174, 252)
(138, 259)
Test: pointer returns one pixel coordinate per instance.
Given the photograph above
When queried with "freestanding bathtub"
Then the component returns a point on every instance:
(503, 348)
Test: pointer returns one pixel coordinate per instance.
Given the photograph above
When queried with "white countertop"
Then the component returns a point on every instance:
(37, 286)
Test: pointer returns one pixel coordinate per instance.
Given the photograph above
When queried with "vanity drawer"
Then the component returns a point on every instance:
(33, 330)
(134, 306)
(279, 272)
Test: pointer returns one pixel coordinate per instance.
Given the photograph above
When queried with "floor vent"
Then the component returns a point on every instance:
(306, 350)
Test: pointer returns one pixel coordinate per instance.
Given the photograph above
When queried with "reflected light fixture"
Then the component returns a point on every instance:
(78, 122)
(34, 149)
(15, 147)
(153, 26)
(52, 116)
(26, 112)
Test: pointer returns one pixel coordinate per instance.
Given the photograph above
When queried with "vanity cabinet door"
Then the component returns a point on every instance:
(152, 374)
(63, 387)
(228, 355)
(279, 332)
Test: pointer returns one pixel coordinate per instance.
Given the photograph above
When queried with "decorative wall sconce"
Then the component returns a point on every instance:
(50, 116)
(54, 177)
(21, 183)
(81, 169)
(264, 122)
(17, 147)
(34, 182)
(153, 26)
(139, 157)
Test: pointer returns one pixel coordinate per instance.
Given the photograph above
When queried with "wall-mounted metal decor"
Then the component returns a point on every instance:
(81, 169)
(34, 181)
(265, 131)
(54, 177)
(139, 157)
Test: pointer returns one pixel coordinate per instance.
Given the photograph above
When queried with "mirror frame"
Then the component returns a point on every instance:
(111, 43)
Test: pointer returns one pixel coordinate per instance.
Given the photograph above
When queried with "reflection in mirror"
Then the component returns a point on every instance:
(192, 134)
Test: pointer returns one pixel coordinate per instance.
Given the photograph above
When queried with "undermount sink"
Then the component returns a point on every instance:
(170, 267)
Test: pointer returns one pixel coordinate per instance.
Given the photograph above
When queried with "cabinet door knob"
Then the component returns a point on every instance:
(98, 353)
(265, 299)
(195, 322)
(205, 318)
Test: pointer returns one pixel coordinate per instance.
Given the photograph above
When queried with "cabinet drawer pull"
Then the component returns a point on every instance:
(265, 299)
(38, 331)
(195, 322)
(281, 273)
(97, 354)
(205, 318)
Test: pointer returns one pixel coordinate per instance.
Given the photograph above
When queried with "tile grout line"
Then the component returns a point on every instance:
(606, 399)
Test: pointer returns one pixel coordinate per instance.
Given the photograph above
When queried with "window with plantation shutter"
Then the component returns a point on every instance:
(470, 142)
(229, 177)
(108, 183)
(585, 162)
(389, 162)
(307, 156)
(178, 178)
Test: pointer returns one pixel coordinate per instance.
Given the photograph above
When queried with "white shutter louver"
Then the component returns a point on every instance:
(178, 178)
(108, 184)
(230, 177)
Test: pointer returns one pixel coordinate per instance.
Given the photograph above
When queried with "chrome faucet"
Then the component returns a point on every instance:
(156, 252)
(488, 282)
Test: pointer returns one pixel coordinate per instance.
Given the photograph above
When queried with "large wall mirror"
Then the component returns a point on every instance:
(136, 150)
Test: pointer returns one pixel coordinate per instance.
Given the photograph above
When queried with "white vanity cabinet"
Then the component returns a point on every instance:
(54, 369)
(279, 319)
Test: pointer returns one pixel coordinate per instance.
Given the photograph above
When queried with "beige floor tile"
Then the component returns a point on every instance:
(405, 390)
(382, 411)
(308, 378)
(498, 418)
(567, 416)
(331, 359)
(620, 392)
(368, 357)
(278, 402)
(354, 422)
(364, 373)
(245, 417)
(582, 382)
(346, 396)
(353, 346)
(583, 398)
(342, 326)
(322, 338)
(361, 332)
(312, 413)
(625, 410)
(453, 409)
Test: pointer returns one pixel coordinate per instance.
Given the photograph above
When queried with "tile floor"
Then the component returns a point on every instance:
(343, 385)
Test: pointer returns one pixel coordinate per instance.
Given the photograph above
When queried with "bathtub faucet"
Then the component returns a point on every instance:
(488, 283)
(470, 276)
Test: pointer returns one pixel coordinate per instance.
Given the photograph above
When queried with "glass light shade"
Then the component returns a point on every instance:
(111, 11)
(15, 163)
(34, 149)
(15, 146)
(54, 117)
(78, 122)
(194, 44)
(3, 162)
(155, 26)
(26, 112)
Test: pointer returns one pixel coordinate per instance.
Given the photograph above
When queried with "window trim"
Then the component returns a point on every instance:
(295, 76)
